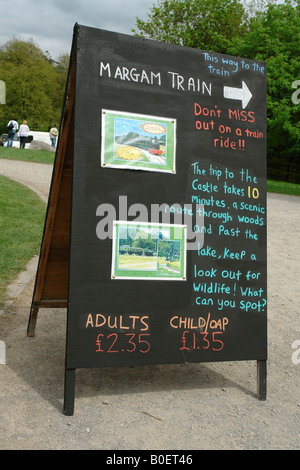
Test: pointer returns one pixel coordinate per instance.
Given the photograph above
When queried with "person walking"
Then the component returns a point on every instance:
(12, 128)
(53, 135)
(23, 134)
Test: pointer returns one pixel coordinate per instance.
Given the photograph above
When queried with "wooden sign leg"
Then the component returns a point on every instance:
(51, 284)
(32, 321)
(262, 380)
(69, 394)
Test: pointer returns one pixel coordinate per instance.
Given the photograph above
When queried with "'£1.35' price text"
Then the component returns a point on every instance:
(192, 341)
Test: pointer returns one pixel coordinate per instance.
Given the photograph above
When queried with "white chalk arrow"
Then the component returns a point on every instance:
(243, 94)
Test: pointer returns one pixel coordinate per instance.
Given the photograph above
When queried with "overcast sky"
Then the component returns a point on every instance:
(50, 23)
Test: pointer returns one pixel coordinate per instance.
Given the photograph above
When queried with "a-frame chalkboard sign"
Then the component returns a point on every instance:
(155, 233)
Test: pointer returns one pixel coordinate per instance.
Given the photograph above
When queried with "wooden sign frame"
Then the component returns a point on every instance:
(52, 285)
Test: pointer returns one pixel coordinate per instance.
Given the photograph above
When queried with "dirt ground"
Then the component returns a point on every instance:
(166, 407)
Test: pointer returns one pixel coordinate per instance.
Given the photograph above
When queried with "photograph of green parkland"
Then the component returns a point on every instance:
(148, 251)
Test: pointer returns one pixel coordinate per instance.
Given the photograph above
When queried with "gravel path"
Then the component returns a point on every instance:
(171, 407)
(37, 176)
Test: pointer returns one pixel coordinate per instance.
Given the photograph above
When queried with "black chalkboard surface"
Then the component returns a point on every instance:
(168, 211)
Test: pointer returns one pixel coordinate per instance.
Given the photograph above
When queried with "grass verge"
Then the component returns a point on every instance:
(37, 156)
(22, 215)
(282, 187)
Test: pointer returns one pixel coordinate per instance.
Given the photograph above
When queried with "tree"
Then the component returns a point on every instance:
(259, 30)
(61, 66)
(32, 85)
(143, 240)
(206, 24)
(273, 37)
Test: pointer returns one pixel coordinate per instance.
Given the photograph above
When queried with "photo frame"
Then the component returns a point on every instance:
(138, 142)
(148, 251)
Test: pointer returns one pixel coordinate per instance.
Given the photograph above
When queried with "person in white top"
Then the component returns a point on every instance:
(12, 128)
(23, 134)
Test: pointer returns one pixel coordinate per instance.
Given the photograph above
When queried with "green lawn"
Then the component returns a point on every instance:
(136, 263)
(22, 215)
(283, 188)
(38, 156)
(168, 267)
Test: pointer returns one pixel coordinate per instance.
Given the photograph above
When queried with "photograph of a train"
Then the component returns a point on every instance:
(136, 141)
